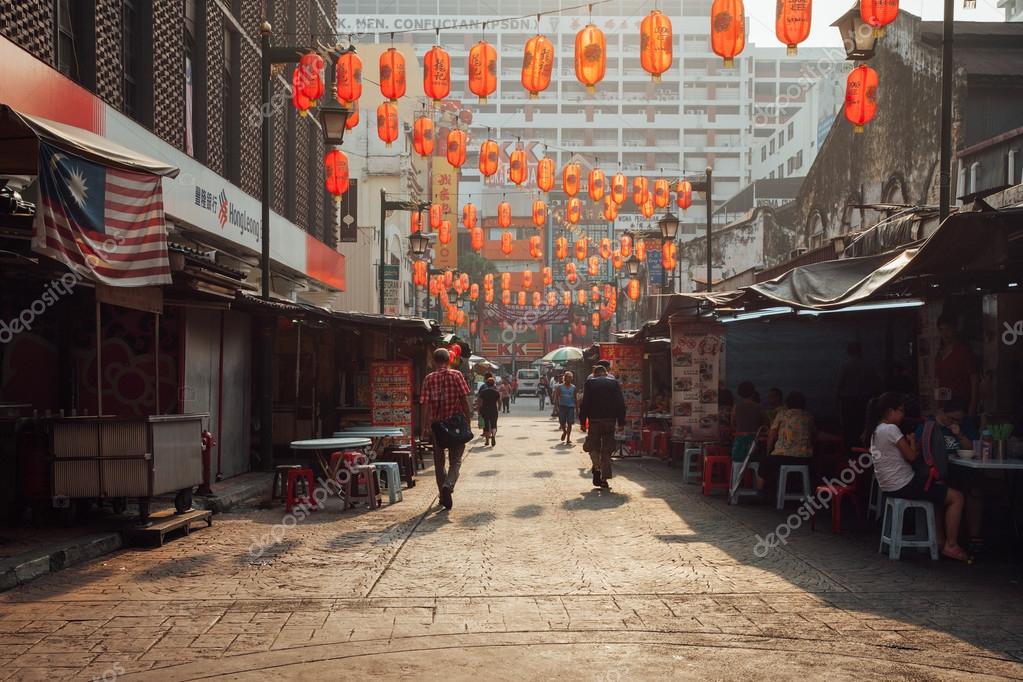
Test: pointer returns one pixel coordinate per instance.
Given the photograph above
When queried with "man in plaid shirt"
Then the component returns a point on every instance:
(444, 395)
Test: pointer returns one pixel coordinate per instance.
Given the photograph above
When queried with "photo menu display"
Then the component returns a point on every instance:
(391, 394)
(697, 355)
(627, 367)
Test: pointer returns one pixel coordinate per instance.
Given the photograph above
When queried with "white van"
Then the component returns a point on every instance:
(529, 381)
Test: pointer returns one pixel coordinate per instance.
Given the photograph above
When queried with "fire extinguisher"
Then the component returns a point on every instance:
(208, 443)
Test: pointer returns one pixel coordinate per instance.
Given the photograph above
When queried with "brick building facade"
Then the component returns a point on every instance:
(133, 54)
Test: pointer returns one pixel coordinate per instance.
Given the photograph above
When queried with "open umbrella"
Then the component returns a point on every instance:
(564, 354)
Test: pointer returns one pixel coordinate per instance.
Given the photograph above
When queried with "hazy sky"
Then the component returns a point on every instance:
(761, 13)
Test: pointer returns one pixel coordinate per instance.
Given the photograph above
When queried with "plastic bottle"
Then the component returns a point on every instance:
(987, 444)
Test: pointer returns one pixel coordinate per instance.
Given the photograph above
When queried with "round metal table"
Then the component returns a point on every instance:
(321, 445)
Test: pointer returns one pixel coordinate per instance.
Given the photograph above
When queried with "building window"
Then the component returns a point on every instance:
(792, 130)
(229, 107)
(772, 146)
(763, 153)
(799, 159)
(67, 30)
(130, 50)
(781, 138)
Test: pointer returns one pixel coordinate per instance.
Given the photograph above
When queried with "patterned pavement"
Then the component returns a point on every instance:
(532, 575)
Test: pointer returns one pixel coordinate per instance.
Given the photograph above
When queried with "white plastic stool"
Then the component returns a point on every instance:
(875, 500)
(692, 463)
(925, 532)
(753, 467)
(783, 477)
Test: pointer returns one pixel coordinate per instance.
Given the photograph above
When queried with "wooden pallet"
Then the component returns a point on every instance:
(164, 522)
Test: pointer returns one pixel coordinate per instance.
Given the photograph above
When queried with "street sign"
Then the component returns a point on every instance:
(391, 289)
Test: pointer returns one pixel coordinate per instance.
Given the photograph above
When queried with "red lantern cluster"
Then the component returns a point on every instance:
(307, 83)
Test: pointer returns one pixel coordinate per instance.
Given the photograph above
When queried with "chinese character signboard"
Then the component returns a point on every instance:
(391, 276)
(445, 193)
(390, 386)
(697, 357)
(627, 366)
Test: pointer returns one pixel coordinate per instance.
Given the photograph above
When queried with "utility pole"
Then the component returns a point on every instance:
(947, 76)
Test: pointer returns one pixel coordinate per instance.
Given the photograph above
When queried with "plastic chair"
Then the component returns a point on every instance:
(300, 477)
(717, 473)
(692, 463)
(925, 533)
(838, 493)
(783, 478)
(876, 500)
(279, 487)
(391, 477)
(753, 468)
(364, 486)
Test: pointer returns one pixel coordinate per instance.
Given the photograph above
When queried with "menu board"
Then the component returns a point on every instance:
(391, 394)
(697, 355)
(627, 367)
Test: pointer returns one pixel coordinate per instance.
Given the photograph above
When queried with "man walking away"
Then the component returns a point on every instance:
(564, 400)
(604, 406)
(541, 390)
(490, 403)
(444, 394)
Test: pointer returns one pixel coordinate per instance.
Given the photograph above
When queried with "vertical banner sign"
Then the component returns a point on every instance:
(627, 367)
(349, 220)
(390, 385)
(391, 290)
(445, 193)
(655, 268)
(697, 357)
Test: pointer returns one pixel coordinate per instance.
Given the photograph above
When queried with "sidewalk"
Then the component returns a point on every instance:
(236, 491)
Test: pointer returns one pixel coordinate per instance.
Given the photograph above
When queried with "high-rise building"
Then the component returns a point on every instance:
(1013, 9)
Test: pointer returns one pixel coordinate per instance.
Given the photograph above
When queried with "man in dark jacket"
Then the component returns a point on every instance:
(604, 406)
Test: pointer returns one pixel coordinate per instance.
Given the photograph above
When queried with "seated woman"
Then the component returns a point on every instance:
(747, 418)
(893, 454)
(789, 442)
(659, 403)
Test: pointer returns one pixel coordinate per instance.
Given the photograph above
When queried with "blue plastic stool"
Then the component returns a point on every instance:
(925, 533)
(391, 478)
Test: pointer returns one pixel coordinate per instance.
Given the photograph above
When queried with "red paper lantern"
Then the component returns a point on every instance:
(335, 166)
(861, 97)
(506, 243)
(469, 216)
(641, 249)
(879, 13)
(419, 272)
(488, 296)
(619, 188)
(482, 70)
(392, 74)
(668, 256)
(522, 298)
(348, 78)
(527, 279)
(566, 299)
(561, 248)
(444, 233)
(647, 209)
(655, 49)
(449, 279)
(574, 211)
(570, 178)
(728, 29)
(545, 174)
(437, 73)
(662, 193)
(490, 158)
(436, 216)
(571, 276)
(353, 117)
(552, 299)
(593, 266)
(505, 281)
(595, 320)
(488, 281)
(640, 191)
(617, 260)
(539, 213)
(792, 22)
(457, 141)
(537, 64)
(476, 238)
(625, 246)
(581, 248)
(518, 168)
(683, 194)
(605, 248)
(634, 290)
(581, 297)
(596, 184)
(422, 136)
(548, 276)
(535, 247)
(610, 209)
(415, 222)
(463, 280)
(594, 293)
(306, 82)
(387, 122)
(537, 299)
(590, 56)
(506, 297)
(504, 214)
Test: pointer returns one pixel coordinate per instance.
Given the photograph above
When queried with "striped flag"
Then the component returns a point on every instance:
(104, 223)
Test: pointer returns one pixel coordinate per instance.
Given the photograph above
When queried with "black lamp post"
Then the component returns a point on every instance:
(385, 206)
(669, 234)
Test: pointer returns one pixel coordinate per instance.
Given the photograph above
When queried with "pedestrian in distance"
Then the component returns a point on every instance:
(542, 389)
(603, 404)
(444, 395)
(565, 402)
(489, 399)
(506, 391)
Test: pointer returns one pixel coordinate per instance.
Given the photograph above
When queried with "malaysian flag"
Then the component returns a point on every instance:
(104, 223)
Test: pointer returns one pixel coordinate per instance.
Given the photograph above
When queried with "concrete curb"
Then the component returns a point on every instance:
(227, 500)
(25, 568)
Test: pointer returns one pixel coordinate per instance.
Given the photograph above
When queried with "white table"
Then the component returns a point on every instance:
(321, 445)
(378, 434)
(990, 464)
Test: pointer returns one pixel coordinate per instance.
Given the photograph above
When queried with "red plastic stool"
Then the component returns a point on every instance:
(304, 477)
(838, 493)
(664, 445)
(720, 465)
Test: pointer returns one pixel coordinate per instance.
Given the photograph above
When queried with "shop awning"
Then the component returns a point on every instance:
(20, 135)
(276, 306)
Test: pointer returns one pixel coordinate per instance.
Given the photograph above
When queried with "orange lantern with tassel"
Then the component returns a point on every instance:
(610, 209)
(335, 167)
(625, 246)
(422, 136)
(595, 320)
(306, 82)
(527, 279)
(537, 299)
(353, 118)
(647, 209)
(522, 298)
(634, 290)
(605, 248)
(457, 141)
(476, 239)
(582, 249)
(684, 194)
(566, 298)
(537, 65)
(593, 266)
(596, 184)
(419, 272)
(640, 191)
(505, 281)
(444, 232)
(490, 158)
(861, 97)
(469, 217)
(539, 213)
(436, 216)
(348, 78)
(662, 192)
(655, 49)
(437, 73)
(574, 210)
(728, 29)
(415, 222)
(571, 276)
(506, 297)
(482, 66)
(879, 13)
(488, 296)
(545, 174)
(617, 260)
(581, 297)
(561, 248)
(570, 179)
(387, 122)
(668, 255)
(548, 276)
(504, 214)
(792, 22)
(506, 243)
(619, 188)
(488, 281)
(518, 169)
(392, 74)
(535, 248)
(590, 56)
(594, 293)
(552, 299)
(640, 249)
(449, 279)
(609, 292)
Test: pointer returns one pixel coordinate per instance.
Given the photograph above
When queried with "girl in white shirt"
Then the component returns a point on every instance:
(893, 453)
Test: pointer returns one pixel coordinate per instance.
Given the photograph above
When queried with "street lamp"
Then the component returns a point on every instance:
(632, 266)
(857, 35)
(420, 244)
(669, 227)
(333, 119)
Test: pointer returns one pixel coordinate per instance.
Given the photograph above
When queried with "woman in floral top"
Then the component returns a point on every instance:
(790, 441)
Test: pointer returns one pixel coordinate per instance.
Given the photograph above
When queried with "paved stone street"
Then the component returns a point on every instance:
(532, 575)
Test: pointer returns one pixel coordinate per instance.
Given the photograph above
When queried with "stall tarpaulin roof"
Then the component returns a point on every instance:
(415, 325)
(20, 135)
